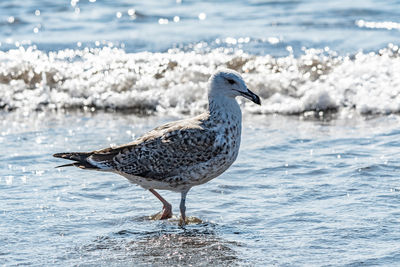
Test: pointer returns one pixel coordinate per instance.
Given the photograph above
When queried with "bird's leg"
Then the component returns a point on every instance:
(167, 208)
(182, 207)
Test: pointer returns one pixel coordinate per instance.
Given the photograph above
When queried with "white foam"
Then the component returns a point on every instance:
(175, 82)
(388, 25)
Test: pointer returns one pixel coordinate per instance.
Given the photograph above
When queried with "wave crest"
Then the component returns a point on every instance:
(175, 81)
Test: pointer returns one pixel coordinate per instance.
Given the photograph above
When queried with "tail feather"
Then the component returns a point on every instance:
(66, 165)
(79, 157)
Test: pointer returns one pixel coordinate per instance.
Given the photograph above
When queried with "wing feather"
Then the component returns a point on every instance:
(168, 154)
(162, 152)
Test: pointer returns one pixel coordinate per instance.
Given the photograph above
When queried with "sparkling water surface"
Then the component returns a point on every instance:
(316, 180)
(302, 192)
(264, 26)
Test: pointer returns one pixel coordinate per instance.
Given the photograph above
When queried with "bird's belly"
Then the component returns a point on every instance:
(147, 183)
(212, 168)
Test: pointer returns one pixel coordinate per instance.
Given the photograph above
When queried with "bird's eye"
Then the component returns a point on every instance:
(230, 81)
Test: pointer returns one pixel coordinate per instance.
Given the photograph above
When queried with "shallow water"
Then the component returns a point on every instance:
(345, 26)
(302, 192)
(315, 183)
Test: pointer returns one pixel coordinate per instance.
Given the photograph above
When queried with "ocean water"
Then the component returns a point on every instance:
(316, 181)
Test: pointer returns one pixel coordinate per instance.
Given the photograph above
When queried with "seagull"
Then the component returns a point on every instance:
(181, 154)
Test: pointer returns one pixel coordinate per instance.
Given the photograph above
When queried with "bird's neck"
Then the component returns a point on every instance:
(224, 107)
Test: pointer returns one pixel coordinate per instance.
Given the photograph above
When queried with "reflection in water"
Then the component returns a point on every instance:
(196, 245)
(174, 219)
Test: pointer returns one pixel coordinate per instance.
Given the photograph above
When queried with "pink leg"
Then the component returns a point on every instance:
(167, 208)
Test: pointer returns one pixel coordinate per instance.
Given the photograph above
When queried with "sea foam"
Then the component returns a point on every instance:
(175, 81)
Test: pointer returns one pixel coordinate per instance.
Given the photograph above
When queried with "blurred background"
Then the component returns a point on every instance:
(140, 56)
(257, 26)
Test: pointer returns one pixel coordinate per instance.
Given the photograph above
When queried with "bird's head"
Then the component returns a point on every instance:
(230, 83)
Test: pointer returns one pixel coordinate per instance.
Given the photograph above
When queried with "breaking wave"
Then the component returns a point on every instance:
(175, 81)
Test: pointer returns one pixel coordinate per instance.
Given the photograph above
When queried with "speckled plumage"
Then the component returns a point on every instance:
(179, 155)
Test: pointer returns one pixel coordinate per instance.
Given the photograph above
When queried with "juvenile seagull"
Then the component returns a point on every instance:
(179, 155)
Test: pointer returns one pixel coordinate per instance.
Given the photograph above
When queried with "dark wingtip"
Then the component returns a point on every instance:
(78, 157)
(65, 165)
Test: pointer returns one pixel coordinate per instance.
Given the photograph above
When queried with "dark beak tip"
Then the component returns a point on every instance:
(252, 96)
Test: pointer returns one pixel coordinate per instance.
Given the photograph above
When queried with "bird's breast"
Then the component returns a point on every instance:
(226, 148)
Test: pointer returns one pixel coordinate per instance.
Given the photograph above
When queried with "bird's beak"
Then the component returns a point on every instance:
(251, 96)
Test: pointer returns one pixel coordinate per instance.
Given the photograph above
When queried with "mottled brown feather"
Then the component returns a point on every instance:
(162, 152)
